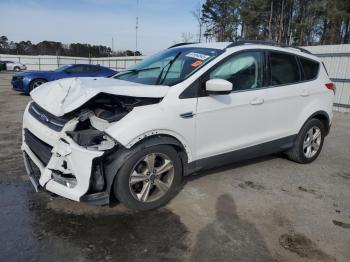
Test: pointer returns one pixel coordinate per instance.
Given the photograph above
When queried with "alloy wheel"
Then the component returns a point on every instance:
(151, 177)
(312, 142)
(37, 83)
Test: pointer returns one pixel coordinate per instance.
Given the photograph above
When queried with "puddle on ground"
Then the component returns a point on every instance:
(33, 228)
(304, 247)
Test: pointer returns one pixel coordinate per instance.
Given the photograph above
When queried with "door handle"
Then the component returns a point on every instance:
(304, 93)
(187, 115)
(257, 101)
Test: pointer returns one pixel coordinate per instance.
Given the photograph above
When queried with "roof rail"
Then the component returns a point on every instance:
(181, 44)
(299, 48)
(262, 42)
(252, 42)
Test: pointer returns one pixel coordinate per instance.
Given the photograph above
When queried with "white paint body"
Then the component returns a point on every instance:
(14, 65)
(221, 123)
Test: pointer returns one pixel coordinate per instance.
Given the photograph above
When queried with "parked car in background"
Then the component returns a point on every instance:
(134, 136)
(2, 66)
(27, 81)
(15, 66)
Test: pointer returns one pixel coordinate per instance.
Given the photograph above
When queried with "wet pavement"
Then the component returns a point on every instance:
(268, 209)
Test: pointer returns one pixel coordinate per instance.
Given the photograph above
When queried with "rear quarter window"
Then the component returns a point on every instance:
(310, 68)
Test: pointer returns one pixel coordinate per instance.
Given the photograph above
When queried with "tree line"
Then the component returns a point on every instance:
(291, 22)
(59, 49)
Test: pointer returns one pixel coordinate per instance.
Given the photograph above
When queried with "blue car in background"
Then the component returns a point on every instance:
(27, 81)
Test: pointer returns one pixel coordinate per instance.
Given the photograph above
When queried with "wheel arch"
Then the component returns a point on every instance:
(115, 160)
(162, 139)
(323, 117)
(160, 136)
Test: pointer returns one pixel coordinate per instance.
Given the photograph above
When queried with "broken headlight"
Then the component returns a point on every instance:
(92, 139)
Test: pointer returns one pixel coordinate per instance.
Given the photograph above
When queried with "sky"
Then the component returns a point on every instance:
(161, 22)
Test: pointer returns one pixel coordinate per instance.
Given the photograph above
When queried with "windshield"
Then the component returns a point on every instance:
(169, 67)
(62, 68)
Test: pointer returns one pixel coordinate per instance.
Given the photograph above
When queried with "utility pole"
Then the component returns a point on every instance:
(137, 27)
(112, 44)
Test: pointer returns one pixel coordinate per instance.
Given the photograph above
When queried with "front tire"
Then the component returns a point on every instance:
(16, 69)
(149, 178)
(309, 142)
(35, 83)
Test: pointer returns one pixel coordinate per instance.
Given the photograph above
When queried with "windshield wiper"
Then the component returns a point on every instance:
(135, 71)
(160, 80)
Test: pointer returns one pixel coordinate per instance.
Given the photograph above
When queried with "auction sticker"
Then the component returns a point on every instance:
(197, 63)
(197, 56)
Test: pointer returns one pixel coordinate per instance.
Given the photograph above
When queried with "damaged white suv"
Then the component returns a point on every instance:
(132, 137)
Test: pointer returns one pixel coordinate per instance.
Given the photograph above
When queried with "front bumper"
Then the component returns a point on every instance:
(20, 85)
(68, 161)
(33, 177)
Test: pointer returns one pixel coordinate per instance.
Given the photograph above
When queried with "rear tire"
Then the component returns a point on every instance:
(149, 178)
(16, 69)
(35, 83)
(309, 142)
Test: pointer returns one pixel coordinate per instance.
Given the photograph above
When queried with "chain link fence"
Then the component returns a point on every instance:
(337, 61)
(53, 62)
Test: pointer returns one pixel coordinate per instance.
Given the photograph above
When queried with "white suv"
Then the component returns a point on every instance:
(191, 107)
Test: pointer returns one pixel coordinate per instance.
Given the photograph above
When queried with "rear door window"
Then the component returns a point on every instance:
(92, 68)
(76, 69)
(310, 68)
(284, 69)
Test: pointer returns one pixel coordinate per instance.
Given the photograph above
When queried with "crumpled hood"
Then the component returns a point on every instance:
(63, 96)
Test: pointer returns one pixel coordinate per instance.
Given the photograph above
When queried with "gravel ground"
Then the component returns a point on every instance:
(268, 209)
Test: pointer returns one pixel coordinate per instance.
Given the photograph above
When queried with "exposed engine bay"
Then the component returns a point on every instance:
(86, 124)
(112, 108)
(98, 114)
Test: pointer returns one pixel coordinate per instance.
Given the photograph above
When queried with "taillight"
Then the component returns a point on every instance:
(331, 86)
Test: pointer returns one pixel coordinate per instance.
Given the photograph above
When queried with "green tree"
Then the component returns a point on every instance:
(3, 43)
(255, 18)
(337, 15)
(292, 22)
(221, 18)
